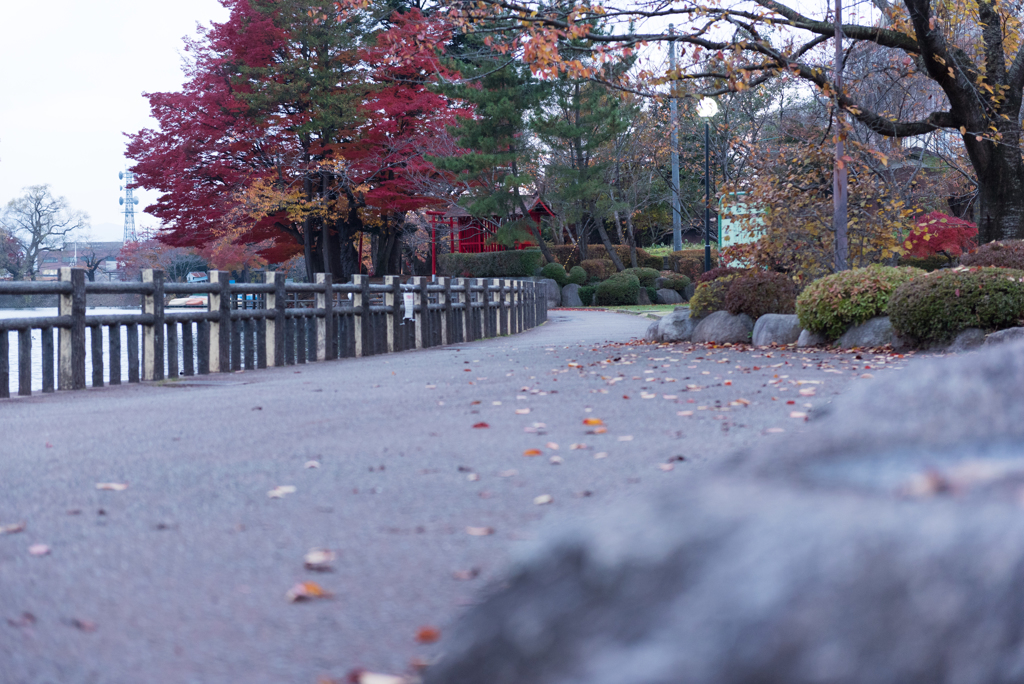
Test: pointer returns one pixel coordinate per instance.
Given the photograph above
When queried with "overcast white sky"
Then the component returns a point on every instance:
(71, 84)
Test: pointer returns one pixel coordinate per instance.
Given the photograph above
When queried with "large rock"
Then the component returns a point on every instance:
(1004, 336)
(722, 327)
(776, 329)
(875, 332)
(571, 296)
(883, 546)
(690, 289)
(970, 338)
(674, 327)
(667, 296)
(552, 291)
(810, 339)
(643, 299)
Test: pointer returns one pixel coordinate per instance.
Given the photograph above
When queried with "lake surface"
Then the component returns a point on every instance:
(37, 346)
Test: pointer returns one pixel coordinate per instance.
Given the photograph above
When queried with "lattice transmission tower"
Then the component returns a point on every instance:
(128, 202)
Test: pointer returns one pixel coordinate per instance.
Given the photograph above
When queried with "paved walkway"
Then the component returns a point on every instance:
(422, 490)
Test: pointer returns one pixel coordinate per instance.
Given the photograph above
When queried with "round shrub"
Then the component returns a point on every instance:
(929, 263)
(586, 293)
(652, 295)
(716, 273)
(578, 276)
(556, 272)
(675, 281)
(647, 276)
(830, 305)
(760, 293)
(598, 269)
(619, 289)
(1004, 254)
(709, 297)
(937, 306)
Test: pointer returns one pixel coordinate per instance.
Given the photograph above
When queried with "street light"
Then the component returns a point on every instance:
(706, 109)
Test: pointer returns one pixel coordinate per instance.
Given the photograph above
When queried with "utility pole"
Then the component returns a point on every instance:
(839, 185)
(677, 228)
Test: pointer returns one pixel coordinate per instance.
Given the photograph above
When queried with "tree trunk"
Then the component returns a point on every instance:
(609, 246)
(632, 240)
(1001, 195)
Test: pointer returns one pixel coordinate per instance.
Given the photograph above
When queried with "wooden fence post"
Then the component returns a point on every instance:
(71, 341)
(419, 284)
(220, 327)
(393, 300)
(467, 312)
(325, 348)
(361, 301)
(153, 334)
(444, 297)
(275, 321)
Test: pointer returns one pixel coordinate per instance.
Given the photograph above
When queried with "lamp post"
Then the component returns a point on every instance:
(706, 109)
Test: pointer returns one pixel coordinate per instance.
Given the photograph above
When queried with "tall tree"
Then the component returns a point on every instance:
(33, 222)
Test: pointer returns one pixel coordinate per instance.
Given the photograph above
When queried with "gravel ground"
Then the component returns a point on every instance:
(423, 472)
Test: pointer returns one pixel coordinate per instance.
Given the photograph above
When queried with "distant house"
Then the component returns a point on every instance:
(99, 257)
(470, 235)
(197, 277)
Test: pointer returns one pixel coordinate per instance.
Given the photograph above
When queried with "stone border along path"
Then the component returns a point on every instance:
(411, 468)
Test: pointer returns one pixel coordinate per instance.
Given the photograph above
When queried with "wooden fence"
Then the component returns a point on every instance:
(252, 325)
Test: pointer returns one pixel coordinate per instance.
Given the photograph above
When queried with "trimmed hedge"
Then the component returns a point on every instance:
(1003, 254)
(569, 255)
(598, 269)
(586, 293)
(928, 263)
(677, 282)
(556, 272)
(652, 294)
(507, 264)
(935, 307)
(578, 276)
(620, 289)
(834, 303)
(647, 276)
(760, 293)
(710, 297)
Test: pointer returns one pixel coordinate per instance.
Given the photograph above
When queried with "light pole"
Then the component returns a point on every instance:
(707, 109)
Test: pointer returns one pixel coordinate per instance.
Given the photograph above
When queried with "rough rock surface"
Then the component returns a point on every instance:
(552, 291)
(571, 296)
(667, 296)
(643, 299)
(776, 329)
(809, 339)
(721, 327)
(884, 545)
(875, 332)
(689, 291)
(1004, 336)
(674, 327)
(971, 338)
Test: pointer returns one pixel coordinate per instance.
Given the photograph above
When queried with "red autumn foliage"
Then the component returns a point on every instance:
(938, 233)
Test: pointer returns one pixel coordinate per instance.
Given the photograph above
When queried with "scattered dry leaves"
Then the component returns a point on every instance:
(427, 635)
(479, 531)
(112, 486)
(307, 591)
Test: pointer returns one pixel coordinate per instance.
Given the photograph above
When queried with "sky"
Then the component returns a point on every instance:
(71, 85)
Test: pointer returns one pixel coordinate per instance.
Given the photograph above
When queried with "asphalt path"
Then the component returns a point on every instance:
(423, 472)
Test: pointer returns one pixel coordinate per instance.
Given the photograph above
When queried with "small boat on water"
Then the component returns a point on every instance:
(193, 302)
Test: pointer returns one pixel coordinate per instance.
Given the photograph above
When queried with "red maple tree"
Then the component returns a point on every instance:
(938, 233)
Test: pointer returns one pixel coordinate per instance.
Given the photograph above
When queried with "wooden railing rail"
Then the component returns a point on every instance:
(247, 325)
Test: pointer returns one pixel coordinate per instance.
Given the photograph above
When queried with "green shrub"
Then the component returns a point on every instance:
(569, 255)
(937, 306)
(508, 264)
(598, 269)
(556, 272)
(760, 293)
(652, 294)
(620, 289)
(1004, 254)
(647, 276)
(710, 297)
(578, 276)
(717, 273)
(586, 293)
(929, 263)
(691, 261)
(676, 282)
(834, 303)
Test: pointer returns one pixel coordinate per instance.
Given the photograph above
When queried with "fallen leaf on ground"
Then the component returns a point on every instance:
(39, 549)
(626, 438)
(543, 499)
(465, 575)
(472, 477)
(364, 677)
(84, 625)
(807, 392)
(797, 414)
(668, 396)
(775, 430)
(557, 460)
(481, 425)
(311, 464)
(601, 454)
(666, 466)
(279, 491)
(552, 445)
(597, 431)
(593, 421)
(318, 559)
(25, 620)
(479, 531)
(508, 473)
(741, 402)
(307, 591)
(12, 528)
(647, 395)
(684, 413)
(522, 411)
(427, 635)
(532, 452)
(577, 445)
(112, 486)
